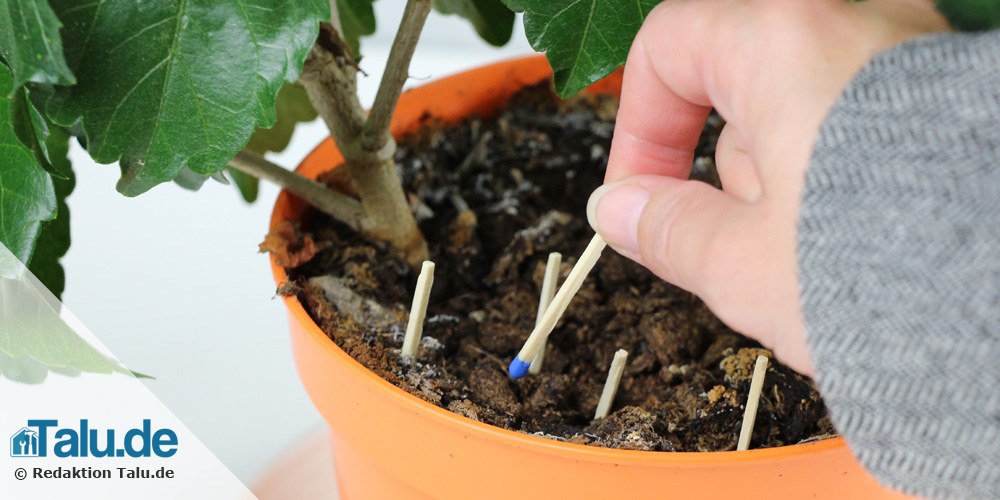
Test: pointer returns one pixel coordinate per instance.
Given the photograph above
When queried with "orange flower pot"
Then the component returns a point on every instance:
(389, 444)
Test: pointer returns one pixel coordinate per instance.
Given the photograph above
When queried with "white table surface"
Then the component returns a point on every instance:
(172, 283)
(302, 472)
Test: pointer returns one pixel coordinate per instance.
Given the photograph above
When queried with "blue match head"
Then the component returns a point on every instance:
(518, 368)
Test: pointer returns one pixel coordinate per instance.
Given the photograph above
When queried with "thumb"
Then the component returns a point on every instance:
(738, 257)
(671, 226)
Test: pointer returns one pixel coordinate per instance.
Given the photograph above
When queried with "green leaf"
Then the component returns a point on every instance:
(172, 84)
(30, 43)
(492, 19)
(51, 148)
(971, 15)
(357, 19)
(291, 108)
(29, 124)
(22, 369)
(193, 181)
(584, 40)
(33, 129)
(34, 338)
(53, 241)
(27, 196)
(247, 184)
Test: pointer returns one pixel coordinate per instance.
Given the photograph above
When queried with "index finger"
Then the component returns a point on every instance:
(656, 130)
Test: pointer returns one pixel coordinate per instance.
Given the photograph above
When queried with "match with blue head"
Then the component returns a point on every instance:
(518, 368)
(543, 326)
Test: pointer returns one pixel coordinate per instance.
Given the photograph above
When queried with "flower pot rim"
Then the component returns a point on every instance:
(529, 442)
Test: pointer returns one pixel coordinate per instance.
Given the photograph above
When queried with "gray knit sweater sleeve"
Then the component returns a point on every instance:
(899, 265)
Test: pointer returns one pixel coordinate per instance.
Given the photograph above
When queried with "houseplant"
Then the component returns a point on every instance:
(139, 84)
(381, 213)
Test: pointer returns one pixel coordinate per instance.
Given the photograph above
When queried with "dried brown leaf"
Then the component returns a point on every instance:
(289, 246)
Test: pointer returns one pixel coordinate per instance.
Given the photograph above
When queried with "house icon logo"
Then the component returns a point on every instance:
(24, 443)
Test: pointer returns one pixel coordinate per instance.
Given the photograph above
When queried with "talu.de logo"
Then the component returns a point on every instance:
(41, 438)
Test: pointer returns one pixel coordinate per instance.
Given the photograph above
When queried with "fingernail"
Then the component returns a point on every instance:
(614, 210)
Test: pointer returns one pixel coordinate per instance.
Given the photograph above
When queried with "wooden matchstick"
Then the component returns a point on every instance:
(611, 385)
(519, 366)
(548, 291)
(418, 311)
(750, 413)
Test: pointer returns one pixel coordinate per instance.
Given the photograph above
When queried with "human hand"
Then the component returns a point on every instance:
(772, 69)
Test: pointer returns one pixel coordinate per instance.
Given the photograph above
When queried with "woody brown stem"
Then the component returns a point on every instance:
(337, 205)
(330, 78)
(376, 128)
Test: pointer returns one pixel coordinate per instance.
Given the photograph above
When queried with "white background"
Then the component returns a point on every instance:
(172, 283)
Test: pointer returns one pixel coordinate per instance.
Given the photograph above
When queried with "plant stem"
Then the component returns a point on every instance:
(339, 206)
(375, 133)
(330, 78)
